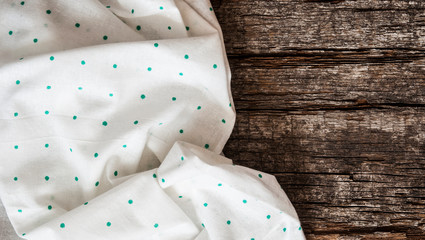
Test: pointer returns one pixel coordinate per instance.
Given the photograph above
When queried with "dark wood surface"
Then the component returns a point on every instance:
(330, 97)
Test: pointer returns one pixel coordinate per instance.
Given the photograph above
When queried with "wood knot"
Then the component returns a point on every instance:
(362, 101)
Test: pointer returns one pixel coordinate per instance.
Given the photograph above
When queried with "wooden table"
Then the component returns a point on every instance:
(330, 97)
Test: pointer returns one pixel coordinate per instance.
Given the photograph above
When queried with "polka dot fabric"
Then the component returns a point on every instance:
(113, 117)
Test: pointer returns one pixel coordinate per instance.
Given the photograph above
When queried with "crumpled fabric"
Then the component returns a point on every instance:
(113, 117)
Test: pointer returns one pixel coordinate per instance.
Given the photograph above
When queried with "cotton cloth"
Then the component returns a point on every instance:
(113, 117)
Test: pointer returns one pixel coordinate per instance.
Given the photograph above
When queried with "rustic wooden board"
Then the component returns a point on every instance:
(269, 27)
(330, 97)
(349, 173)
(314, 80)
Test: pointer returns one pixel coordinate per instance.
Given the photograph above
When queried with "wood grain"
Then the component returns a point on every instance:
(264, 26)
(348, 173)
(329, 80)
(330, 99)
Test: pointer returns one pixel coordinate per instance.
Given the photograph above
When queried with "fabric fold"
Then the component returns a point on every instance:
(194, 194)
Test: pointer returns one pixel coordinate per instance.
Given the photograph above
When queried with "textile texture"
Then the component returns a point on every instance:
(113, 117)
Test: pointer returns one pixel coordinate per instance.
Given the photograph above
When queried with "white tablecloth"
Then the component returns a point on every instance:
(113, 115)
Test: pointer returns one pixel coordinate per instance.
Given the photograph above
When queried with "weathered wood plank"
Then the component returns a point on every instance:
(350, 174)
(264, 27)
(329, 80)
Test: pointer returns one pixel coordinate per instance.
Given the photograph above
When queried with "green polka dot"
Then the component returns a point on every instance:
(252, 238)
(136, 122)
(162, 180)
(244, 201)
(19, 210)
(86, 203)
(96, 155)
(205, 204)
(116, 173)
(182, 158)
(299, 228)
(70, 149)
(181, 74)
(161, 8)
(156, 225)
(181, 131)
(46, 178)
(52, 58)
(174, 98)
(18, 82)
(49, 87)
(155, 44)
(211, 8)
(48, 11)
(124, 146)
(105, 123)
(16, 147)
(228, 222)
(169, 27)
(154, 175)
(108, 224)
(80, 88)
(76, 179)
(138, 27)
(223, 121)
(10, 32)
(130, 201)
(207, 146)
(132, 11)
(22, 3)
(105, 37)
(202, 224)
(199, 108)
(97, 183)
(187, 28)
(284, 229)
(180, 196)
(49, 207)
(143, 96)
(62, 225)
(111, 94)
(149, 69)
(74, 117)
(15, 178)
(268, 216)
(35, 40)
(114, 66)
(83, 62)
(46, 112)
(215, 66)
(46, 145)
(230, 104)
(220, 184)
(260, 176)
(186, 56)
(15, 114)
(77, 25)
(108, 6)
